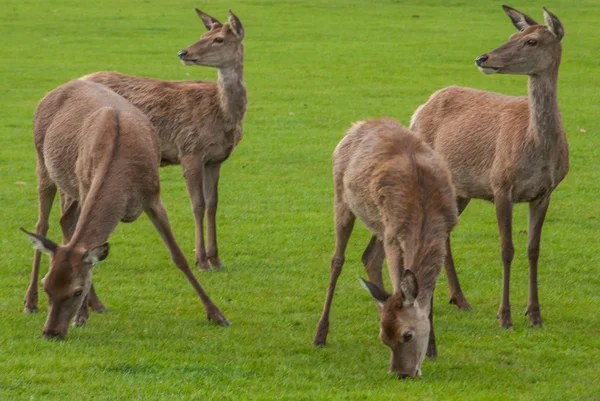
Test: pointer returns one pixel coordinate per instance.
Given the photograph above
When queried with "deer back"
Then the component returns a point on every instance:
(393, 181)
(186, 114)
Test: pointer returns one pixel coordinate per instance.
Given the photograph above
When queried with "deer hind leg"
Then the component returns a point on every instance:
(456, 295)
(504, 209)
(537, 214)
(211, 197)
(46, 194)
(158, 215)
(344, 223)
(193, 171)
(372, 259)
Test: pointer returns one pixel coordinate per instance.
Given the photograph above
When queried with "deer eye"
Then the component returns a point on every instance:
(407, 336)
(532, 42)
(218, 40)
(77, 293)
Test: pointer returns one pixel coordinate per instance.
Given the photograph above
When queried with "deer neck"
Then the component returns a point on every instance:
(425, 261)
(94, 226)
(545, 123)
(232, 93)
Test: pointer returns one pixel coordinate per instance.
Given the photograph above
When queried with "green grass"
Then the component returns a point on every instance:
(312, 67)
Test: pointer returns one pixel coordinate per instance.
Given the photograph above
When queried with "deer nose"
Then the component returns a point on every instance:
(182, 53)
(481, 59)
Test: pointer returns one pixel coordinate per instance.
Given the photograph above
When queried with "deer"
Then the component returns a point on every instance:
(199, 123)
(401, 190)
(505, 149)
(103, 155)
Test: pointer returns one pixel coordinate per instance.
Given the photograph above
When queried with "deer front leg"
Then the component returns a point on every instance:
(456, 295)
(46, 194)
(81, 316)
(68, 221)
(344, 223)
(537, 214)
(69, 215)
(193, 171)
(158, 215)
(431, 348)
(395, 261)
(211, 197)
(504, 208)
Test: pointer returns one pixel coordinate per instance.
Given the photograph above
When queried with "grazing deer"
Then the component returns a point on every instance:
(505, 149)
(70, 209)
(199, 123)
(401, 190)
(98, 149)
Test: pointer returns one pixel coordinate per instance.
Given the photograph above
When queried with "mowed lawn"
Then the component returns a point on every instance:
(312, 68)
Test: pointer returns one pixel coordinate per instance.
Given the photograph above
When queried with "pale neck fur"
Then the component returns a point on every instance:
(424, 302)
(429, 264)
(232, 92)
(545, 123)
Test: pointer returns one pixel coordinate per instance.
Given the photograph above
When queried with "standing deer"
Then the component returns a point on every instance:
(101, 151)
(199, 123)
(401, 190)
(505, 149)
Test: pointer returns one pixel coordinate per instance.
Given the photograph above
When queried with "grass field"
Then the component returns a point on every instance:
(312, 67)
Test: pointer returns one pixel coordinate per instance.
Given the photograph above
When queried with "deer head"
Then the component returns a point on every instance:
(68, 281)
(404, 325)
(533, 50)
(220, 47)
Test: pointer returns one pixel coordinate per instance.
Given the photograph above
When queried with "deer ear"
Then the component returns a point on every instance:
(209, 22)
(519, 20)
(41, 243)
(409, 287)
(378, 294)
(97, 254)
(236, 26)
(554, 24)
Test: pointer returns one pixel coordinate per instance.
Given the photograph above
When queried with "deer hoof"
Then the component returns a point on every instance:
(80, 322)
(535, 317)
(461, 302)
(505, 319)
(319, 341)
(203, 266)
(97, 307)
(219, 318)
(320, 338)
(216, 263)
(30, 309)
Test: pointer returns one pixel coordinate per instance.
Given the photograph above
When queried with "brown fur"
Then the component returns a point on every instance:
(401, 190)
(103, 155)
(199, 123)
(505, 149)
